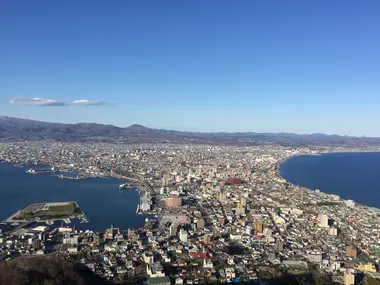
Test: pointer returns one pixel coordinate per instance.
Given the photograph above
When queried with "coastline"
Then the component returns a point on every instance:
(278, 164)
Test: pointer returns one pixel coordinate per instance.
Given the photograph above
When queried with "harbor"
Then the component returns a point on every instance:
(99, 198)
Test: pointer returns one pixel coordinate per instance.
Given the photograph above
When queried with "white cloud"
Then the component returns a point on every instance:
(52, 102)
(88, 102)
(37, 102)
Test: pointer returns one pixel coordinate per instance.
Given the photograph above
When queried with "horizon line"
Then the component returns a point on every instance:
(200, 132)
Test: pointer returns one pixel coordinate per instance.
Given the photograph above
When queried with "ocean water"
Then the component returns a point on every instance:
(353, 176)
(100, 199)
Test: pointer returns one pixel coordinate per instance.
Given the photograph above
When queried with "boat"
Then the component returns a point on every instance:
(125, 185)
(84, 220)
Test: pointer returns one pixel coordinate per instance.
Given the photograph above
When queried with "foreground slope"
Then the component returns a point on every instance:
(46, 270)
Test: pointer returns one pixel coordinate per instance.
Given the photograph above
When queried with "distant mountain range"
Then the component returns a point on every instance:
(16, 129)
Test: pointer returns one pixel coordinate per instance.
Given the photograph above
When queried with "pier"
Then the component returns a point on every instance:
(144, 187)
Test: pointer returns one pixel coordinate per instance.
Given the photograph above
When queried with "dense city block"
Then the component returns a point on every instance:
(214, 214)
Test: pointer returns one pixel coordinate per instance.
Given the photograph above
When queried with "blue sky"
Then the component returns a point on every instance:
(264, 66)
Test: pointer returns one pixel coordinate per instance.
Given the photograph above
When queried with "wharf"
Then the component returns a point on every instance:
(146, 190)
(40, 171)
(67, 177)
(78, 177)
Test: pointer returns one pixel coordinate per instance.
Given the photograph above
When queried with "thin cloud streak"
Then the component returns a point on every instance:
(52, 102)
(88, 102)
(37, 102)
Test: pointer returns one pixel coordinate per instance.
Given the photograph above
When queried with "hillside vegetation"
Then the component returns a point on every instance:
(51, 270)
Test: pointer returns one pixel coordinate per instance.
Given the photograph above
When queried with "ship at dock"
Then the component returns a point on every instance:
(125, 186)
(61, 176)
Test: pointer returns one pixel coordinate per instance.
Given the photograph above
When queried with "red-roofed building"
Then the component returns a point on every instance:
(234, 181)
(198, 255)
(181, 262)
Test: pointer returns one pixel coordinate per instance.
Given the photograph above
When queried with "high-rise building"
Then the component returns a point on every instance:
(165, 179)
(113, 233)
(240, 209)
(349, 278)
(351, 251)
(206, 239)
(259, 228)
(201, 224)
(279, 246)
(333, 231)
(173, 230)
(323, 220)
(183, 235)
(131, 233)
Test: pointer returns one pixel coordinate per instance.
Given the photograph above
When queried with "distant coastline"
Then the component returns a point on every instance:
(280, 163)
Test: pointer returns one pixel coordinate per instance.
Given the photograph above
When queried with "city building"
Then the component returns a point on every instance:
(200, 224)
(206, 239)
(323, 220)
(155, 270)
(348, 278)
(351, 251)
(165, 280)
(315, 257)
(183, 235)
(259, 228)
(367, 267)
(173, 230)
(349, 203)
(173, 202)
(279, 246)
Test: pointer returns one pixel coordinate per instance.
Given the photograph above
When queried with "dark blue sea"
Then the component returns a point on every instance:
(353, 176)
(99, 198)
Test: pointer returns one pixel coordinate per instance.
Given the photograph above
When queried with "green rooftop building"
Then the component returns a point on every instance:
(159, 281)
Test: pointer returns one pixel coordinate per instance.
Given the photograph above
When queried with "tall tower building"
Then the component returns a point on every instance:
(183, 235)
